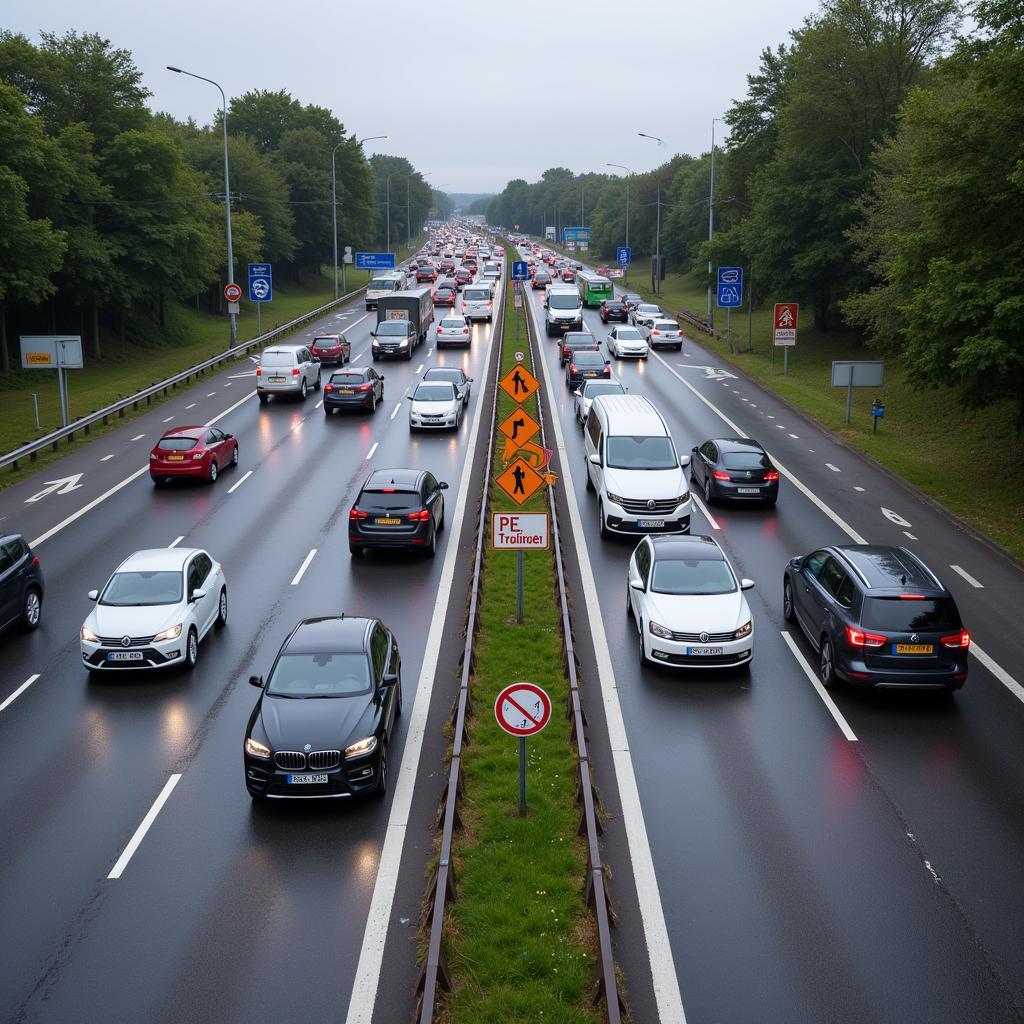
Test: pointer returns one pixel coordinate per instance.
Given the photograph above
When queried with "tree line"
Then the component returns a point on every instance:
(874, 172)
(110, 210)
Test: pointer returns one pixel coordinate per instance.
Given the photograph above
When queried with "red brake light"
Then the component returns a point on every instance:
(771, 474)
(257, 371)
(911, 597)
(957, 640)
(365, 387)
(572, 367)
(35, 562)
(465, 330)
(421, 516)
(357, 513)
(858, 638)
(328, 387)
(295, 371)
(720, 474)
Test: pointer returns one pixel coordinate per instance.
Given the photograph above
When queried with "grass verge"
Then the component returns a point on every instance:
(519, 941)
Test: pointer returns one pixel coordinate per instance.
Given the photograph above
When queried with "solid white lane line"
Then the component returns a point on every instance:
(302, 568)
(430, 352)
(369, 454)
(138, 437)
(106, 458)
(238, 483)
(192, 406)
(835, 469)
(998, 671)
(18, 692)
(140, 833)
(704, 510)
(967, 576)
(395, 411)
(816, 683)
(177, 540)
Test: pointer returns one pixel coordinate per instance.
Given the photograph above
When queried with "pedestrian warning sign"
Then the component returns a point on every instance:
(520, 481)
(519, 384)
(519, 428)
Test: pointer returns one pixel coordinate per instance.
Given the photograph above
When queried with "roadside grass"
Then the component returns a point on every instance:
(519, 940)
(971, 461)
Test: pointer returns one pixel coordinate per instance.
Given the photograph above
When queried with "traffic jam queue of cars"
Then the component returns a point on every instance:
(876, 616)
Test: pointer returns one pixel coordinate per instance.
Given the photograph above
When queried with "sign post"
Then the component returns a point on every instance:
(375, 260)
(58, 352)
(261, 289)
(522, 710)
(624, 256)
(784, 330)
(858, 373)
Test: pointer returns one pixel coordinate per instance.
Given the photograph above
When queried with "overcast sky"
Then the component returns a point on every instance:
(473, 93)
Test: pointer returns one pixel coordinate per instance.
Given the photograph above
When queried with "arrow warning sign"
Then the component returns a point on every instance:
(519, 428)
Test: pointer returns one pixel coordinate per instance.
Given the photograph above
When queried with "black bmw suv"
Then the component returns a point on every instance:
(878, 617)
(323, 722)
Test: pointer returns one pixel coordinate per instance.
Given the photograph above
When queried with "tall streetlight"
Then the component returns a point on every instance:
(408, 208)
(711, 220)
(227, 193)
(657, 236)
(334, 199)
(629, 174)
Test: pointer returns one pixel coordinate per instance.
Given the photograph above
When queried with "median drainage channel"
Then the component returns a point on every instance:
(517, 916)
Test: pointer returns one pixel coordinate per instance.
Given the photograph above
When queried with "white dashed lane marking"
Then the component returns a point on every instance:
(967, 576)
(835, 469)
(234, 487)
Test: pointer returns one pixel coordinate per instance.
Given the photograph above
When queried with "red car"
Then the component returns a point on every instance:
(568, 276)
(331, 348)
(541, 279)
(445, 295)
(462, 276)
(614, 309)
(446, 266)
(192, 451)
(427, 273)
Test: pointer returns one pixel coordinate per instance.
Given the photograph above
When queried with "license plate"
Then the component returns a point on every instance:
(589, 373)
(346, 391)
(307, 780)
(175, 458)
(124, 656)
(912, 648)
(698, 651)
(748, 490)
(388, 521)
(650, 523)
(276, 380)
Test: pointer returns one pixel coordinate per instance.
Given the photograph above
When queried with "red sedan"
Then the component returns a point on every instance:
(192, 451)
(427, 273)
(445, 295)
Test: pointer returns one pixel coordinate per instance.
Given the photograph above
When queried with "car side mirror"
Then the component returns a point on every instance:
(380, 376)
(442, 485)
(684, 461)
(93, 595)
(469, 380)
(198, 594)
(636, 584)
(746, 584)
(256, 681)
(578, 392)
(595, 460)
(797, 562)
(390, 678)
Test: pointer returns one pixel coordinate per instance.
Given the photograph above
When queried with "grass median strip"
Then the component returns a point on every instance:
(519, 941)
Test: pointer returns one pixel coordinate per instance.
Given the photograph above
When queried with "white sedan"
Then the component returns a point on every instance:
(435, 406)
(154, 610)
(688, 606)
(627, 341)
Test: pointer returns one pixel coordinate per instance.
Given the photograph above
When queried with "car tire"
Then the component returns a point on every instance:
(264, 399)
(826, 664)
(431, 549)
(257, 798)
(302, 390)
(31, 608)
(376, 358)
(234, 456)
(644, 660)
(380, 790)
(159, 481)
(679, 347)
(212, 475)
(788, 612)
(328, 411)
(629, 603)
(319, 382)
(770, 503)
(602, 525)
(398, 697)
(707, 490)
(373, 403)
(191, 649)
(588, 483)
(354, 551)
(222, 608)
(440, 522)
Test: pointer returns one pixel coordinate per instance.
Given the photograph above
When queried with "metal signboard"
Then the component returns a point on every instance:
(575, 234)
(784, 328)
(50, 351)
(623, 255)
(730, 287)
(519, 427)
(261, 282)
(858, 374)
(522, 709)
(232, 292)
(520, 481)
(520, 271)
(519, 384)
(520, 531)
(375, 260)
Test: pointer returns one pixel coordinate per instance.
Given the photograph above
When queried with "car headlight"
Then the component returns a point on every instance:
(665, 634)
(363, 746)
(683, 498)
(256, 748)
(90, 636)
(616, 498)
(403, 343)
(168, 634)
(744, 630)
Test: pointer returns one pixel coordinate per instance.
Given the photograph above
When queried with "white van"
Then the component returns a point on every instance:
(477, 302)
(635, 468)
(385, 284)
(563, 309)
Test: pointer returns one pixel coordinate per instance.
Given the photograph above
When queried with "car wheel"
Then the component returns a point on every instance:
(602, 525)
(787, 602)
(31, 608)
(213, 471)
(159, 481)
(222, 607)
(328, 411)
(191, 649)
(316, 386)
(398, 697)
(432, 547)
(264, 399)
(770, 503)
(707, 490)
(826, 664)
(440, 522)
(373, 403)
(588, 483)
(380, 790)
(302, 390)
(234, 456)
(354, 550)
(644, 660)
(629, 603)
(376, 358)
(679, 347)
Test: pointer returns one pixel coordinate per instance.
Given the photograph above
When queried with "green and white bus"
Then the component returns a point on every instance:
(594, 289)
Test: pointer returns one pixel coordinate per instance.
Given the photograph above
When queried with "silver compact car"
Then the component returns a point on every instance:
(287, 370)
(436, 405)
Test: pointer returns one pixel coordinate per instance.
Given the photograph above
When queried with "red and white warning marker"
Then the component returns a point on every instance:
(522, 709)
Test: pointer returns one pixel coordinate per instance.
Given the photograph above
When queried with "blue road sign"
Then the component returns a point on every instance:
(575, 234)
(375, 260)
(730, 287)
(519, 270)
(261, 282)
(623, 255)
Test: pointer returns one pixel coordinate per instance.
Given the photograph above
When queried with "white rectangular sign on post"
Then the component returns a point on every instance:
(48, 351)
(519, 531)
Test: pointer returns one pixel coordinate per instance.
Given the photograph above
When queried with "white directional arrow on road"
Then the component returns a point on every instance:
(65, 486)
(711, 372)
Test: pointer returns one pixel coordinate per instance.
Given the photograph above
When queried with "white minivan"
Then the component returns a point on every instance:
(383, 285)
(633, 465)
(477, 302)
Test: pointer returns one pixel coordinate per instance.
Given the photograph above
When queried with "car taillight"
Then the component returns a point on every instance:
(465, 330)
(656, 332)
(858, 638)
(911, 597)
(257, 371)
(771, 475)
(357, 513)
(957, 640)
(419, 517)
(35, 562)
(720, 474)
(365, 387)
(328, 387)
(295, 371)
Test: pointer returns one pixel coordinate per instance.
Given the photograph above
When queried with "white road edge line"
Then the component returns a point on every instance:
(140, 833)
(238, 483)
(373, 448)
(816, 683)
(704, 509)
(664, 979)
(318, 404)
(998, 671)
(967, 576)
(371, 955)
(177, 540)
(18, 692)
(302, 568)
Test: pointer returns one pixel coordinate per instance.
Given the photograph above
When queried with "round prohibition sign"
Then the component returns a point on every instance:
(232, 292)
(522, 709)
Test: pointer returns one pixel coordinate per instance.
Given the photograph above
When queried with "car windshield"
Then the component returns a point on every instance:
(139, 589)
(434, 393)
(389, 500)
(277, 359)
(901, 615)
(666, 325)
(381, 284)
(320, 675)
(617, 306)
(176, 444)
(393, 328)
(645, 307)
(628, 334)
(745, 460)
(441, 373)
(347, 378)
(476, 295)
(626, 452)
(450, 324)
(692, 576)
(328, 342)
(595, 389)
(588, 359)
(560, 300)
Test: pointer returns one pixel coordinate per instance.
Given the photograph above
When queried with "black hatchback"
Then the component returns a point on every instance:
(21, 583)
(357, 387)
(734, 468)
(878, 617)
(397, 508)
(323, 723)
(587, 365)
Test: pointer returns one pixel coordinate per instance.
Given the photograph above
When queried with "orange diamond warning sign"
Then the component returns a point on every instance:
(519, 427)
(519, 384)
(520, 481)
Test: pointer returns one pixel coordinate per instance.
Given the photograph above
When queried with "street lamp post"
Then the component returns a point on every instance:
(227, 193)
(334, 205)
(657, 236)
(629, 174)
(711, 220)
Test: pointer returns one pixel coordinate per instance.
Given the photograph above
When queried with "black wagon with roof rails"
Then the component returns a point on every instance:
(21, 583)
(877, 617)
(397, 508)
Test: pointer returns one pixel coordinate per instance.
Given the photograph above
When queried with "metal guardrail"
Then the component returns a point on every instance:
(83, 425)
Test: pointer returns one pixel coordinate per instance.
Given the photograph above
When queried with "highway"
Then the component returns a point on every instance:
(225, 911)
(857, 866)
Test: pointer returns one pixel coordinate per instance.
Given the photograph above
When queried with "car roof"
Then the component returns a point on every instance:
(666, 320)
(329, 634)
(350, 369)
(409, 478)
(880, 566)
(157, 560)
(738, 444)
(282, 348)
(443, 369)
(194, 430)
(590, 352)
(640, 416)
(693, 545)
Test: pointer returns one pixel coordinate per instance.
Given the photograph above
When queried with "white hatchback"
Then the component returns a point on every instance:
(627, 341)
(154, 610)
(453, 330)
(664, 334)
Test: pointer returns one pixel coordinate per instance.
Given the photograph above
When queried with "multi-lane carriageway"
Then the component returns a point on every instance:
(775, 857)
